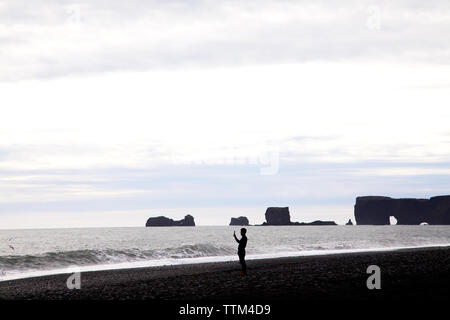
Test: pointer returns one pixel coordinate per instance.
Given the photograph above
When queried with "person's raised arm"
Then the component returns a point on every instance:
(235, 238)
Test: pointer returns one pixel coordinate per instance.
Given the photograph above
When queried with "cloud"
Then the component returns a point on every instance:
(185, 100)
(215, 185)
(65, 38)
(215, 189)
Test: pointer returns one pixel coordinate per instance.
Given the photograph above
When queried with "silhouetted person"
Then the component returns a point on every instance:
(241, 249)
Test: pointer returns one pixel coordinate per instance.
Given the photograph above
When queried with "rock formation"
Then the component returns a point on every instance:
(241, 221)
(315, 223)
(349, 223)
(278, 216)
(161, 221)
(281, 217)
(375, 210)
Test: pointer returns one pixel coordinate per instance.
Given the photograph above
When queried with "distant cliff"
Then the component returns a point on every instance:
(241, 221)
(161, 221)
(376, 210)
(280, 216)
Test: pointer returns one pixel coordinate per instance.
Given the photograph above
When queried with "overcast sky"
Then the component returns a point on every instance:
(113, 111)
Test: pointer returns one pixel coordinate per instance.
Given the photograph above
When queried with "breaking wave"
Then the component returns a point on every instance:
(57, 260)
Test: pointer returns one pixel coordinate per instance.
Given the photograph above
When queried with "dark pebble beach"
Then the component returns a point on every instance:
(414, 274)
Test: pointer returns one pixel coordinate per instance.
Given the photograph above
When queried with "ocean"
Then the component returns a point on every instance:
(28, 253)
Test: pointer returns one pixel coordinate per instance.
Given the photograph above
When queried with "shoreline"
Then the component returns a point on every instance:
(204, 260)
(420, 273)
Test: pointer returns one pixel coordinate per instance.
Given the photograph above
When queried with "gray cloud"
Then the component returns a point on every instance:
(217, 185)
(60, 38)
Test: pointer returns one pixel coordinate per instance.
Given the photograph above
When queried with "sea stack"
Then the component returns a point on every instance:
(280, 216)
(375, 210)
(349, 223)
(240, 221)
(161, 221)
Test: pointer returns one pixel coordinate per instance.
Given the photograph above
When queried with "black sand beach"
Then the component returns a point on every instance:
(416, 274)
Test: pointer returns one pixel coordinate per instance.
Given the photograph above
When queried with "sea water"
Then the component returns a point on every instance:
(27, 253)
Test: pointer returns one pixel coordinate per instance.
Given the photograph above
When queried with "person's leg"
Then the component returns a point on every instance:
(242, 262)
